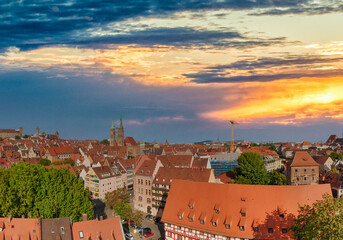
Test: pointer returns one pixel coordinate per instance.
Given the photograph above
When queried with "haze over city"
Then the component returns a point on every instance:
(173, 70)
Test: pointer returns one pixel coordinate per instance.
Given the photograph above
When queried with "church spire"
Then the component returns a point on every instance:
(121, 123)
(113, 124)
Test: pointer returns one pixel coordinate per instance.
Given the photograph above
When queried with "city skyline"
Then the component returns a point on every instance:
(175, 70)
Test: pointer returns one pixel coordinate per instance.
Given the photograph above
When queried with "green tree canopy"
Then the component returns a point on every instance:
(251, 170)
(336, 156)
(322, 220)
(105, 141)
(17, 137)
(34, 191)
(45, 162)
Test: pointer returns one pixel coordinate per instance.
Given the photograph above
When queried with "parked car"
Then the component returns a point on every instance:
(147, 232)
(139, 228)
(149, 217)
(128, 236)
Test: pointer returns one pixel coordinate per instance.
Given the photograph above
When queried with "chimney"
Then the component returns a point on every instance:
(9, 218)
(22, 216)
(84, 217)
(101, 218)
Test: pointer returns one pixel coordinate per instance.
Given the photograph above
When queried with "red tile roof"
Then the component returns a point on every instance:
(20, 228)
(94, 229)
(303, 159)
(238, 204)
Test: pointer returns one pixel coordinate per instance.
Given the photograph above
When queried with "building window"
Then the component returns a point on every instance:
(296, 170)
(282, 215)
(149, 192)
(202, 221)
(169, 234)
(255, 229)
(180, 237)
(241, 228)
(305, 178)
(148, 200)
(227, 226)
(149, 182)
(304, 170)
(284, 230)
(270, 230)
(312, 170)
(146, 182)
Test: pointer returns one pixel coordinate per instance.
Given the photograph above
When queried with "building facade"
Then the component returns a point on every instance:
(198, 210)
(302, 170)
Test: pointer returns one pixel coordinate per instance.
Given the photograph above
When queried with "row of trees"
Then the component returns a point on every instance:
(47, 162)
(34, 191)
(119, 201)
(251, 170)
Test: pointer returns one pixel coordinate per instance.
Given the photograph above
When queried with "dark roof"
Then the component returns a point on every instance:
(56, 229)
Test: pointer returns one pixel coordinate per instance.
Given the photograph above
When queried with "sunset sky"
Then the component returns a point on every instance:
(176, 70)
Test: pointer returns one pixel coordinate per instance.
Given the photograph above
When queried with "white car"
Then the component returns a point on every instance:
(128, 236)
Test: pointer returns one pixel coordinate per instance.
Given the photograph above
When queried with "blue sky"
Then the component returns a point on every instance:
(175, 70)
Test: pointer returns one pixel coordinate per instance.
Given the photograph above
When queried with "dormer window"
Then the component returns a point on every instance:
(282, 215)
(255, 229)
(191, 204)
(214, 220)
(243, 211)
(214, 224)
(241, 228)
(190, 219)
(217, 208)
(202, 218)
(180, 214)
(227, 226)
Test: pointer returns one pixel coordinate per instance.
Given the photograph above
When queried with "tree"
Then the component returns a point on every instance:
(336, 156)
(26, 136)
(137, 218)
(251, 169)
(34, 191)
(322, 220)
(276, 178)
(1, 139)
(272, 147)
(45, 162)
(105, 141)
(112, 198)
(17, 137)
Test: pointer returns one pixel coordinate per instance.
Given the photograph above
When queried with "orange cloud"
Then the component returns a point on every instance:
(284, 102)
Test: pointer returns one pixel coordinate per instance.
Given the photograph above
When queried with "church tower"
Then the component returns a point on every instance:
(112, 134)
(121, 134)
(37, 131)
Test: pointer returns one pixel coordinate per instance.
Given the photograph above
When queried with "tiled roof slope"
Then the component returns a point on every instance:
(20, 228)
(165, 175)
(303, 159)
(94, 229)
(262, 206)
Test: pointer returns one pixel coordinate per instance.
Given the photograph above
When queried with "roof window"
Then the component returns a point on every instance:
(81, 234)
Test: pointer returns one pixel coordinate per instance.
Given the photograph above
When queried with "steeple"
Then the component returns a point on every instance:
(121, 123)
(112, 134)
(121, 133)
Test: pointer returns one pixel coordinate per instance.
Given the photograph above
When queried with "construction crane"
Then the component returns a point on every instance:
(233, 123)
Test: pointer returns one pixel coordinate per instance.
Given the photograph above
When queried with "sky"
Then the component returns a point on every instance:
(176, 70)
